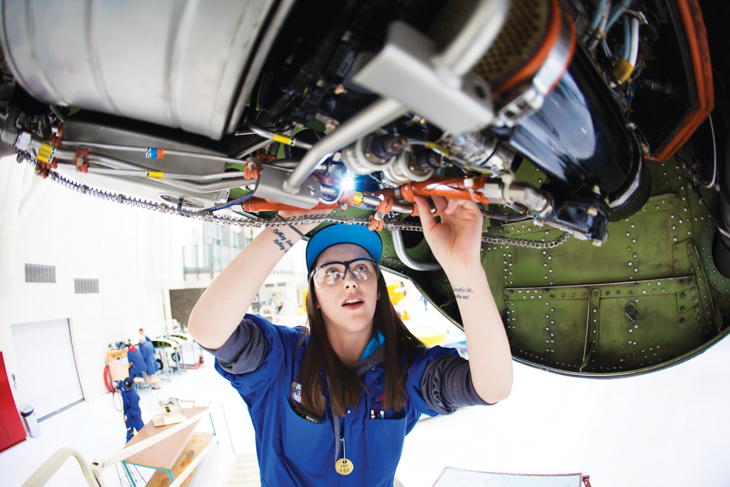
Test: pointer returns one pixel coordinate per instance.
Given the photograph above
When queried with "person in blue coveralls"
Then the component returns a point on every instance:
(136, 359)
(142, 334)
(331, 404)
(148, 353)
(132, 413)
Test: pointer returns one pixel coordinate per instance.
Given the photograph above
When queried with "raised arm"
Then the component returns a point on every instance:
(456, 243)
(221, 307)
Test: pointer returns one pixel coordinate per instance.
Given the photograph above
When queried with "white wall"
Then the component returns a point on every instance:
(128, 249)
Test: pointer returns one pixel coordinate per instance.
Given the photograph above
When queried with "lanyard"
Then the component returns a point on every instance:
(343, 466)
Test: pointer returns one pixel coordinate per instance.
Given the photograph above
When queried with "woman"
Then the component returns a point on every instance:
(332, 406)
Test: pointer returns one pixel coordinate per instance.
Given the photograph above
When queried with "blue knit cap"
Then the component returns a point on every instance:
(341, 233)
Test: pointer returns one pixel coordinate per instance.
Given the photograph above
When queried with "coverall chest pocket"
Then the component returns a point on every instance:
(385, 439)
(304, 442)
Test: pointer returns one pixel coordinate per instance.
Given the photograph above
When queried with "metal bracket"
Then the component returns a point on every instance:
(271, 181)
(404, 70)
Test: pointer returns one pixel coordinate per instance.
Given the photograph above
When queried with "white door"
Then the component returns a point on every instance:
(46, 366)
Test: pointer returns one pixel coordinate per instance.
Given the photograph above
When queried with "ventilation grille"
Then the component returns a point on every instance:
(40, 273)
(86, 286)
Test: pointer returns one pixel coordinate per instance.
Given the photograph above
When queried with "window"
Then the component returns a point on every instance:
(213, 234)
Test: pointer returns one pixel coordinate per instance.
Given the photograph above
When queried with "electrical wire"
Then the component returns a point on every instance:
(237, 201)
(617, 12)
(697, 177)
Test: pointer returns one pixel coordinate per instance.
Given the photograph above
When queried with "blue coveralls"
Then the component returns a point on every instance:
(136, 358)
(130, 399)
(148, 352)
(294, 451)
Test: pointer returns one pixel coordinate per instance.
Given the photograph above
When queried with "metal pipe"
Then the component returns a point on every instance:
(109, 171)
(403, 208)
(400, 251)
(118, 165)
(54, 462)
(626, 49)
(70, 155)
(329, 190)
(634, 52)
(376, 115)
(169, 152)
(289, 140)
(474, 38)
(173, 182)
(617, 12)
(260, 131)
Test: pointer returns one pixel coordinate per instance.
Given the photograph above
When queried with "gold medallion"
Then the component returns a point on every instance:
(343, 466)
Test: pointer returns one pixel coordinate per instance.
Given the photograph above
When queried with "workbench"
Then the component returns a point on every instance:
(171, 455)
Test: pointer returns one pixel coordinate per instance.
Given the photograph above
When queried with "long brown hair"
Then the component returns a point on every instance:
(320, 360)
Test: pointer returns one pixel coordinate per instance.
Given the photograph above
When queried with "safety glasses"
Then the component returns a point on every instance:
(330, 273)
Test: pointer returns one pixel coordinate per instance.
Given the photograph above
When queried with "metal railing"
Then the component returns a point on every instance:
(92, 471)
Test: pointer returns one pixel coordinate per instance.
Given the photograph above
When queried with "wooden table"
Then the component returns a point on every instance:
(166, 454)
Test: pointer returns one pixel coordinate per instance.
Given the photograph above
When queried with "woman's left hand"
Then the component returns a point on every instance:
(456, 240)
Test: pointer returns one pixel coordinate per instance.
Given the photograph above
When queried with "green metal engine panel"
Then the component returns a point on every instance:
(649, 298)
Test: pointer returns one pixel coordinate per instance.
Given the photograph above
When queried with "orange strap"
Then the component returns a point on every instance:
(259, 204)
(448, 187)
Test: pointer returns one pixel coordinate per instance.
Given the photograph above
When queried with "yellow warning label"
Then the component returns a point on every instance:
(283, 139)
(45, 153)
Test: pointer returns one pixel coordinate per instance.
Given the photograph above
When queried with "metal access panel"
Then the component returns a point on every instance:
(649, 298)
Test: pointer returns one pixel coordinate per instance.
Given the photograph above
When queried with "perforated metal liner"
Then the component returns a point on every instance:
(521, 35)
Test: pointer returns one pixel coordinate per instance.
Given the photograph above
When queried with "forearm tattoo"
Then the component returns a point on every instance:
(462, 293)
(283, 242)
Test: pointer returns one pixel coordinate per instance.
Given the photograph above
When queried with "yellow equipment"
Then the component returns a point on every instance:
(396, 292)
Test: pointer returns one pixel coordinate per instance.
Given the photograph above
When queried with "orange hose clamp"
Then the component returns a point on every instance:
(57, 138)
(376, 225)
(84, 165)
